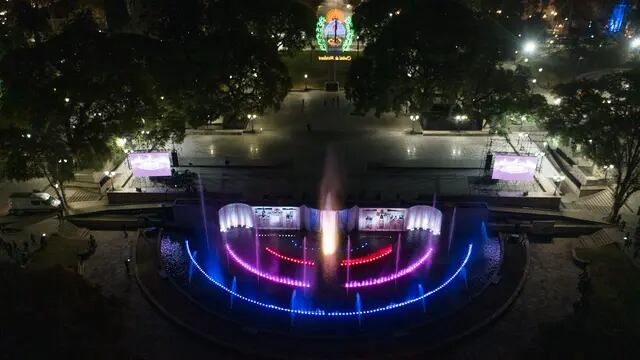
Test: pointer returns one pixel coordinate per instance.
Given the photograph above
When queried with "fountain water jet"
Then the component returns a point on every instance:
(202, 208)
(359, 309)
(304, 259)
(451, 228)
(329, 222)
(293, 305)
(234, 289)
(423, 298)
(348, 257)
(398, 251)
(329, 228)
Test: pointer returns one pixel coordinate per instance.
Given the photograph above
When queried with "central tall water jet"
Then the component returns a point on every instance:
(329, 228)
(329, 222)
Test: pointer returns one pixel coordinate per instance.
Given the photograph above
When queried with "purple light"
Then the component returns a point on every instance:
(377, 281)
(271, 277)
(150, 164)
(509, 167)
(320, 312)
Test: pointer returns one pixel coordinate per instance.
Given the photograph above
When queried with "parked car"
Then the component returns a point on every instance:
(33, 202)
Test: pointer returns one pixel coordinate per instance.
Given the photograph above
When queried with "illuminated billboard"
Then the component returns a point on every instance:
(150, 164)
(381, 219)
(277, 218)
(513, 167)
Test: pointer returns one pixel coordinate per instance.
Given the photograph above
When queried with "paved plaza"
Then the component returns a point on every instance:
(376, 155)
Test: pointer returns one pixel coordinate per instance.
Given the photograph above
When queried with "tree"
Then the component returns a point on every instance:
(65, 101)
(21, 24)
(420, 53)
(227, 53)
(602, 116)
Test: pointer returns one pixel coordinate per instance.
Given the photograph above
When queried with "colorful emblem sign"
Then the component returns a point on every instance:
(334, 31)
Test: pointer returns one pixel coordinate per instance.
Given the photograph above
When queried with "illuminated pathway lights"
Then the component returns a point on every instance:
(271, 277)
(289, 259)
(331, 313)
(377, 281)
(368, 258)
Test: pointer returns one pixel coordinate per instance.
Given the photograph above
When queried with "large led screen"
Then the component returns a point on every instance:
(150, 164)
(277, 218)
(512, 167)
(381, 219)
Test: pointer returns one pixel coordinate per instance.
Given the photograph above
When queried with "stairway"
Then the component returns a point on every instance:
(85, 180)
(600, 238)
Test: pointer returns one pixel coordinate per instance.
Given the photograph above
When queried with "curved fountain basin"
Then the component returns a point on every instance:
(331, 313)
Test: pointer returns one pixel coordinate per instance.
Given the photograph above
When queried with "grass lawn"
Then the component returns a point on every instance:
(610, 324)
(306, 62)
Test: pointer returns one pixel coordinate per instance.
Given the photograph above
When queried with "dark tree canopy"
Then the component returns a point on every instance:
(603, 117)
(435, 51)
(222, 58)
(63, 104)
(69, 91)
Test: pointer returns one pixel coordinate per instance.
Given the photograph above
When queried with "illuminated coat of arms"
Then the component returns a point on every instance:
(334, 31)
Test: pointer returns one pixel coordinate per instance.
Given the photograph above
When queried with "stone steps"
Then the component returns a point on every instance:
(600, 238)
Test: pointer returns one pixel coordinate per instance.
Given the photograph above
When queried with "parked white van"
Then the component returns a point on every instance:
(32, 202)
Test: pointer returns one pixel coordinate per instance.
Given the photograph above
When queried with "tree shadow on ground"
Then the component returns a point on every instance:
(606, 324)
(55, 314)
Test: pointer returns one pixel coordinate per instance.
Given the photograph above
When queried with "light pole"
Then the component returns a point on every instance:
(252, 119)
(540, 155)
(110, 175)
(414, 118)
(558, 179)
(606, 171)
(306, 77)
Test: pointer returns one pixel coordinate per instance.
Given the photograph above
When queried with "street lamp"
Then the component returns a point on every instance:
(121, 142)
(252, 118)
(530, 47)
(413, 118)
(558, 179)
(459, 119)
(606, 171)
(306, 77)
(635, 43)
(110, 175)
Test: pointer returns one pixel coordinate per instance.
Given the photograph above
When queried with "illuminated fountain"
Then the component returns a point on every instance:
(333, 262)
(329, 230)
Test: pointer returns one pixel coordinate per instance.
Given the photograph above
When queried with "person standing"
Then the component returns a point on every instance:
(127, 261)
(124, 231)
(43, 241)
